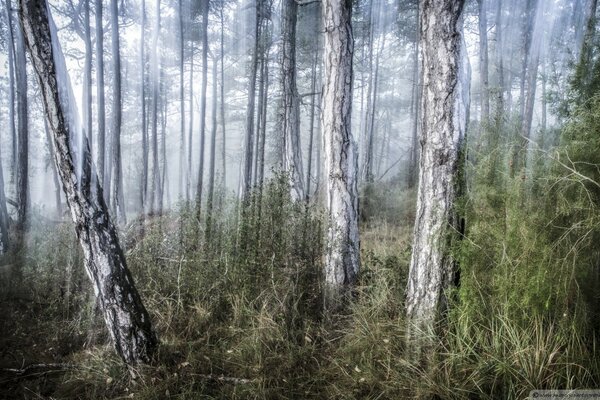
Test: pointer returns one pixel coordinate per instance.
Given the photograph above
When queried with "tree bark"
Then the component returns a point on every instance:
(203, 88)
(101, 107)
(290, 107)
(416, 106)
(144, 172)
(155, 188)
(341, 159)
(222, 105)
(22, 189)
(182, 166)
(87, 75)
(11, 90)
(483, 62)
(444, 110)
(127, 320)
(246, 183)
(118, 200)
(311, 130)
(213, 146)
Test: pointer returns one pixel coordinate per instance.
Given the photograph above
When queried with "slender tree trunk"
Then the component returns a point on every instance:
(22, 189)
(127, 320)
(4, 217)
(101, 108)
(261, 94)
(155, 77)
(369, 152)
(520, 160)
(118, 201)
(182, 166)
(87, 75)
(262, 135)
(341, 159)
(222, 105)
(311, 130)
(290, 108)
(444, 110)
(144, 177)
(416, 106)
(11, 90)
(483, 62)
(188, 173)
(246, 183)
(367, 167)
(203, 89)
(213, 146)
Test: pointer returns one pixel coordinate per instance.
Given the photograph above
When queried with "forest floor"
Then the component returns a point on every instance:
(54, 346)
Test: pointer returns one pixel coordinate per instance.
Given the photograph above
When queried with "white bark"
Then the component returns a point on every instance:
(444, 109)
(127, 320)
(341, 159)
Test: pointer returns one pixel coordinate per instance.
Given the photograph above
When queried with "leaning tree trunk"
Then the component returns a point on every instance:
(341, 158)
(444, 108)
(127, 320)
(290, 108)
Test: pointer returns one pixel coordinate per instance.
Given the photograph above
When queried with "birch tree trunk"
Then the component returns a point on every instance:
(127, 320)
(213, 146)
(444, 109)
(290, 108)
(341, 158)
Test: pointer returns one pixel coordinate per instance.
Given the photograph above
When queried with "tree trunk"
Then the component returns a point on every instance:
(11, 91)
(483, 62)
(182, 166)
(203, 88)
(222, 105)
(127, 320)
(213, 145)
(144, 172)
(311, 130)
(188, 172)
(290, 107)
(155, 77)
(118, 200)
(101, 108)
(341, 159)
(22, 189)
(87, 75)
(444, 109)
(246, 183)
(416, 106)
